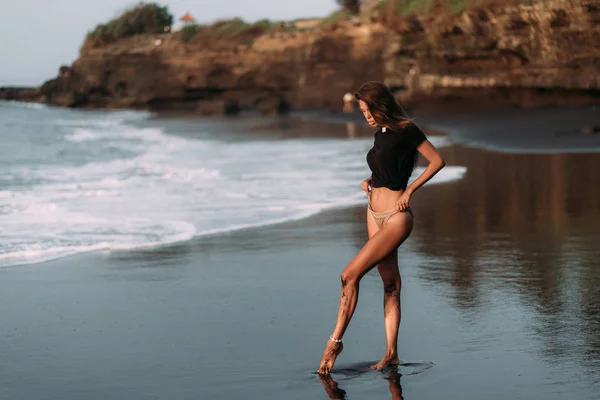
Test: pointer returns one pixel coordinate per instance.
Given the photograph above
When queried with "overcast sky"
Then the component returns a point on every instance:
(38, 36)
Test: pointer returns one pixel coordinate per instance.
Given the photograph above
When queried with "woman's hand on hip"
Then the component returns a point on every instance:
(364, 185)
(403, 201)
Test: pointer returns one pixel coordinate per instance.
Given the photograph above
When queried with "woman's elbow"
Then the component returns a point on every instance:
(440, 163)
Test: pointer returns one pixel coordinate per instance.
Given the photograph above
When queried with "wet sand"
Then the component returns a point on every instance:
(501, 299)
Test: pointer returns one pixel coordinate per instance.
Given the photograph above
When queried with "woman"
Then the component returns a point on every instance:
(398, 142)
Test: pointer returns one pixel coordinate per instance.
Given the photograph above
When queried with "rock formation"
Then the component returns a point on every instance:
(545, 53)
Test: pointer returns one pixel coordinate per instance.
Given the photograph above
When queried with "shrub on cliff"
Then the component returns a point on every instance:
(405, 7)
(235, 28)
(352, 6)
(408, 7)
(143, 18)
(188, 32)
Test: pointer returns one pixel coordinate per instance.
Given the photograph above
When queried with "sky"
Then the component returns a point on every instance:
(38, 36)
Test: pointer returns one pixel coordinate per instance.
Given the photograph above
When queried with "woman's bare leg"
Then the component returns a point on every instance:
(388, 270)
(381, 244)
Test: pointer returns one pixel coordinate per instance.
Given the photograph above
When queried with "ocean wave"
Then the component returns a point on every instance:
(81, 135)
(35, 252)
(90, 122)
(22, 104)
(101, 119)
(440, 141)
(448, 174)
(167, 188)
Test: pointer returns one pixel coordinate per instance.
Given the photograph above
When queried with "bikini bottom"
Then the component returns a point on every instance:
(381, 217)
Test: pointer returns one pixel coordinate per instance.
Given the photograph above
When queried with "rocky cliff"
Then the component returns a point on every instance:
(544, 53)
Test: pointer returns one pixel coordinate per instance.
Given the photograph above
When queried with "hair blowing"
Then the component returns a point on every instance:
(382, 104)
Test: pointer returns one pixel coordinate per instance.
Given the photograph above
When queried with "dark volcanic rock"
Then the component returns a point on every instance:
(273, 106)
(21, 94)
(218, 107)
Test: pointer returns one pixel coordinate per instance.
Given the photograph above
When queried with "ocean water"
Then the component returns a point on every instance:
(75, 181)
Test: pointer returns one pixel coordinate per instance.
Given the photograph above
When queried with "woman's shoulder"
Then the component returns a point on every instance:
(405, 127)
(408, 125)
(411, 133)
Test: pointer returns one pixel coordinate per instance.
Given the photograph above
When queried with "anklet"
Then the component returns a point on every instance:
(335, 340)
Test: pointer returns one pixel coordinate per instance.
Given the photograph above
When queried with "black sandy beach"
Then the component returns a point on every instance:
(501, 293)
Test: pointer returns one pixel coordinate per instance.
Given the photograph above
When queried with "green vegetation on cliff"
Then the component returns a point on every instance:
(151, 18)
(353, 6)
(189, 31)
(409, 7)
(391, 11)
(235, 28)
(144, 18)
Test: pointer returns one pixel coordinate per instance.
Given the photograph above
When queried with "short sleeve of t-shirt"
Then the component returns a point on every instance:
(414, 136)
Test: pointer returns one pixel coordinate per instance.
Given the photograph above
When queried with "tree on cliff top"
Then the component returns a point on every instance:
(144, 18)
(353, 6)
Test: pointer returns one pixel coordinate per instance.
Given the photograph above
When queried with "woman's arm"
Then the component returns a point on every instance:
(436, 163)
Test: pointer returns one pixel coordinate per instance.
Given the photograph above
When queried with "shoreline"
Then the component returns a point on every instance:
(303, 129)
(198, 238)
(337, 117)
(315, 124)
(325, 113)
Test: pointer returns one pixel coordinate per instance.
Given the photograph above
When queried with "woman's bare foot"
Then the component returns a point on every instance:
(386, 361)
(332, 350)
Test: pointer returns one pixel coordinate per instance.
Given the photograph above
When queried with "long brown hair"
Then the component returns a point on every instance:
(383, 106)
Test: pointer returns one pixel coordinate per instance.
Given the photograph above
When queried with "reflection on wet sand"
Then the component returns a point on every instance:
(335, 392)
(393, 379)
(332, 388)
(524, 225)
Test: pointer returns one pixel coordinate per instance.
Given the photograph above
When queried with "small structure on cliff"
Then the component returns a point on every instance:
(188, 19)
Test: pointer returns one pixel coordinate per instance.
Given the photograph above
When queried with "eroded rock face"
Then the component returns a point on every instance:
(543, 54)
(526, 55)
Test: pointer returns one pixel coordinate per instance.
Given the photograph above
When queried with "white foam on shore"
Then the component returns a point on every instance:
(447, 174)
(24, 104)
(173, 188)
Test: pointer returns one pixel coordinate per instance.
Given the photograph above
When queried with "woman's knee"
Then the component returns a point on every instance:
(388, 269)
(392, 287)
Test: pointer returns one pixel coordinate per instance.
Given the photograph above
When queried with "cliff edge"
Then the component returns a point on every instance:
(539, 54)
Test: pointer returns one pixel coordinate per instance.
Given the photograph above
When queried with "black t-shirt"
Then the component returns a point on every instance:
(392, 157)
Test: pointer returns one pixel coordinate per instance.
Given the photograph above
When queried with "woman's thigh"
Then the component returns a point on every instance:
(372, 227)
(388, 267)
(381, 244)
